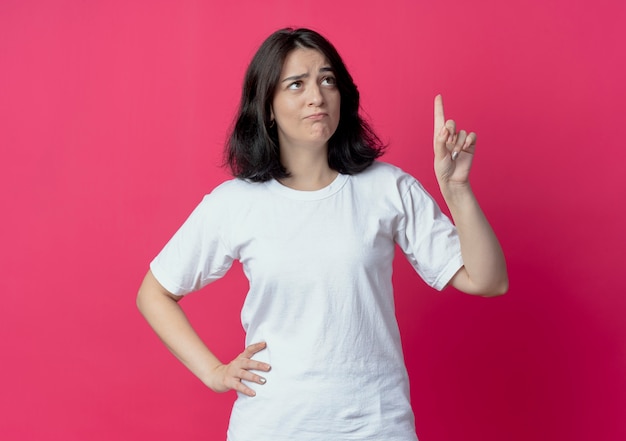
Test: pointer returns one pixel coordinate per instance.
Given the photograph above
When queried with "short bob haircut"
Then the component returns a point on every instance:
(252, 150)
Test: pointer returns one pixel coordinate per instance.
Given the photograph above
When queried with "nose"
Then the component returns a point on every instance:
(315, 97)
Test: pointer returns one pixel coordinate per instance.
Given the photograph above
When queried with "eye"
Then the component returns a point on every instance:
(295, 85)
(329, 81)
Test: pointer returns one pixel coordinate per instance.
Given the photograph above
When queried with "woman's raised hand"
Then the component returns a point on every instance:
(229, 376)
(454, 151)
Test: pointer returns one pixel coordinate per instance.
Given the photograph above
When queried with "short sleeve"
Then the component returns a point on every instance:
(428, 238)
(196, 255)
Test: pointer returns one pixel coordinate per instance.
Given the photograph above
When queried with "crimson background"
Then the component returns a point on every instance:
(112, 119)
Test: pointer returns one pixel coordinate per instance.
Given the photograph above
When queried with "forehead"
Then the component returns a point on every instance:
(303, 60)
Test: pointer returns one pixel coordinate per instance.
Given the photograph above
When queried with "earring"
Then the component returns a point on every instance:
(272, 124)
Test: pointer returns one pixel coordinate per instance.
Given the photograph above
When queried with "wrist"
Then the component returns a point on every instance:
(212, 378)
(453, 191)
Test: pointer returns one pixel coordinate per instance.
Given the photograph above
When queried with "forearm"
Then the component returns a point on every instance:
(485, 270)
(170, 323)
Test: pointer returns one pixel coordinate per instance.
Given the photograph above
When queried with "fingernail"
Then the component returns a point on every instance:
(262, 380)
(454, 155)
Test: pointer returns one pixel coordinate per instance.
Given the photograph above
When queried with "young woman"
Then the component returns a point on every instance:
(314, 219)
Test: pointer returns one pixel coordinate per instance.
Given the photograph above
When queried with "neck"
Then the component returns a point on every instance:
(308, 172)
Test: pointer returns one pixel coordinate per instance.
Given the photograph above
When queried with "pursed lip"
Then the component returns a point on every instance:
(316, 116)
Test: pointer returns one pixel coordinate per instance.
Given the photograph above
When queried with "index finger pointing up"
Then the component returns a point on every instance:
(439, 115)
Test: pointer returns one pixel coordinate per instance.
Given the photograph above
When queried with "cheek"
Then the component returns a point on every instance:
(337, 108)
(283, 110)
(335, 98)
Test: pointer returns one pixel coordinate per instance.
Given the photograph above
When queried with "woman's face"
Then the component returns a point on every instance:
(306, 104)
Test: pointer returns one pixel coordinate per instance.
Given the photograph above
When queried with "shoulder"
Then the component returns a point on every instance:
(385, 175)
(233, 190)
(236, 185)
(227, 198)
(380, 169)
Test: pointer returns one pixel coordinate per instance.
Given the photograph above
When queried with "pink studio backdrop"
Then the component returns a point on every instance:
(112, 120)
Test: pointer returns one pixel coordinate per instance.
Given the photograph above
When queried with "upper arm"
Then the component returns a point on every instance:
(462, 281)
(151, 288)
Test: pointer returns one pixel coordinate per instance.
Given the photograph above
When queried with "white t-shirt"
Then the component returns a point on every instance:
(319, 265)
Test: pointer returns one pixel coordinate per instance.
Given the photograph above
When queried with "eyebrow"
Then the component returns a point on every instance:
(305, 75)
